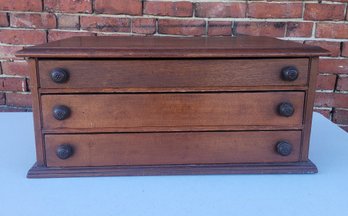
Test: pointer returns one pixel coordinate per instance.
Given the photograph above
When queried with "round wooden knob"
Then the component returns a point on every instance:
(61, 112)
(64, 151)
(289, 73)
(286, 109)
(59, 75)
(284, 148)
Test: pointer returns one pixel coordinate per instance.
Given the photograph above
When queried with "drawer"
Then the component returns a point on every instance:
(166, 111)
(172, 148)
(138, 74)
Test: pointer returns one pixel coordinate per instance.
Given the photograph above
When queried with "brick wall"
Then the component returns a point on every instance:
(323, 23)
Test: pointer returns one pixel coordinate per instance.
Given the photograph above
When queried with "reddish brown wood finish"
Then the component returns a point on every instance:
(188, 169)
(149, 74)
(172, 90)
(171, 129)
(164, 106)
(134, 111)
(172, 148)
(308, 109)
(34, 85)
(170, 47)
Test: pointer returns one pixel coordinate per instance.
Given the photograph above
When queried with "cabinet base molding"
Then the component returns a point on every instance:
(217, 169)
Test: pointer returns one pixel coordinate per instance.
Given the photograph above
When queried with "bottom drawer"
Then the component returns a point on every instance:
(172, 148)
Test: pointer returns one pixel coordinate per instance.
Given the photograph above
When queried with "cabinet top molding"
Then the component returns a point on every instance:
(170, 47)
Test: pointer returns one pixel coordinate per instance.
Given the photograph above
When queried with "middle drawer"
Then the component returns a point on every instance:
(166, 111)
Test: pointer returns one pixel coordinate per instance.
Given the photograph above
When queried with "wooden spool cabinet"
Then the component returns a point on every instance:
(163, 106)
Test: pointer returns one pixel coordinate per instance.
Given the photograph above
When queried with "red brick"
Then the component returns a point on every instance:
(333, 47)
(339, 66)
(220, 9)
(332, 30)
(7, 52)
(326, 82)
(274, 10)
(181, 27)
(13, 84)
(15, 36)
(324, 12)
(21, 5)
(3, 19)
(144, 26)
(106, 24)
(345, 49)
(58, 35)
(43, 20)
(338, 100)
(15, 68)
(325, 113)
(130, 7)
(342, 84)
(274, 29)
(178, 9)
(344, 127)
(18, 99)
(219, 28)
(115, 34)
(299, 29)
(340, 117)
(70, 6)
(2, 99)
(68, 21)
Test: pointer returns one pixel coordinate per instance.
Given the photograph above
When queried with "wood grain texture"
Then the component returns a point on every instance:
(170, 47)
(149, 74)
(36, 105)
(308, 109)
(172, 90)
(172, 106)
(203, 169)
(172, 110)
(172, 148)
(171, 129)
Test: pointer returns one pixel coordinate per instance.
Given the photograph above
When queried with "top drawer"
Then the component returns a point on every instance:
(197, 73)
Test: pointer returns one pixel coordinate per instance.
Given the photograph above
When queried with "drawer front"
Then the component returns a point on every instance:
(171, 73)
(136, 111)
(171, 148)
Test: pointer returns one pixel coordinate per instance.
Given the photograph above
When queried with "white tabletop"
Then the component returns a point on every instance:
(325, 193)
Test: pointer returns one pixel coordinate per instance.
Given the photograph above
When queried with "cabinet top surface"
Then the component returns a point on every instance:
(170, 47)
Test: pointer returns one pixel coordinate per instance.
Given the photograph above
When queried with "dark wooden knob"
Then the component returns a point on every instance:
(289, 73)
(64, 151)
(284, 148)
(59, 75)
(61, 112)
(286, 109)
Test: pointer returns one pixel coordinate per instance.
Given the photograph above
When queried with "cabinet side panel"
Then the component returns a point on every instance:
(40, 157)
(308, 108)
